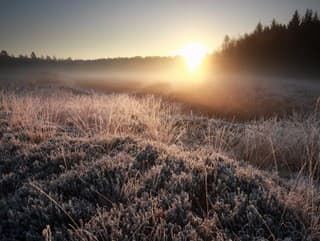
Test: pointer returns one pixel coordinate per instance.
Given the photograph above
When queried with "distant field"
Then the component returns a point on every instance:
(85, 165)
(240, 96)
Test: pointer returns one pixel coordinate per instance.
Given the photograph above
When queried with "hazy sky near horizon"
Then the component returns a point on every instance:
(99, 29)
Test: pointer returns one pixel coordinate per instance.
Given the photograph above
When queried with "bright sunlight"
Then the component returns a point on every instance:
(193, 54)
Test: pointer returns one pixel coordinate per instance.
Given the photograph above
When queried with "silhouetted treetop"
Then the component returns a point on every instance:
(33, 55)
(4, 53)
(295, 21)
(259, 28)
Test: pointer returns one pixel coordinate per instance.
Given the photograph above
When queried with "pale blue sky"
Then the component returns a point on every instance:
(99, 29)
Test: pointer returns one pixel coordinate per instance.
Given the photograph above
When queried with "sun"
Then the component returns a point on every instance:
(193, 54)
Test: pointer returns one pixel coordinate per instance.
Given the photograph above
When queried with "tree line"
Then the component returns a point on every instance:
(283, 47)
(5, 57)
(10, 61)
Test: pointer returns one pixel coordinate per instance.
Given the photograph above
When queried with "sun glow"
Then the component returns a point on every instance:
(193, 54)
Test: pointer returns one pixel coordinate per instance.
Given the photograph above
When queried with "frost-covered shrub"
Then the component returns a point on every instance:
(95, 167)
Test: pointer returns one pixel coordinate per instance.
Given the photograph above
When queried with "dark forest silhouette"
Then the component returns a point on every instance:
(290, 49)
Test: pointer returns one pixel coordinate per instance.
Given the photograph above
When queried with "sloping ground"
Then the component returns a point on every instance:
(127, 189)
(77, 166)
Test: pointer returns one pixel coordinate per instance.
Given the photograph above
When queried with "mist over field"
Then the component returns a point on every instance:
(214, 93)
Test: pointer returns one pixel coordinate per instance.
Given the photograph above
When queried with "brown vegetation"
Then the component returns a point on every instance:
(87, 166)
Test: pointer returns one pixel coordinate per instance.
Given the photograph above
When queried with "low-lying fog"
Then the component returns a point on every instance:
(244, 95)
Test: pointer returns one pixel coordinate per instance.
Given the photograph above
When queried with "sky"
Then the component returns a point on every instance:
(101, 29)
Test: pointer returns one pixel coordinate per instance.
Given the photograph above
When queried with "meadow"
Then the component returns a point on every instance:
(79, 164)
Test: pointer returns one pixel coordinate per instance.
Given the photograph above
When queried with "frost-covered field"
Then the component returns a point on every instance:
(79, 165)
